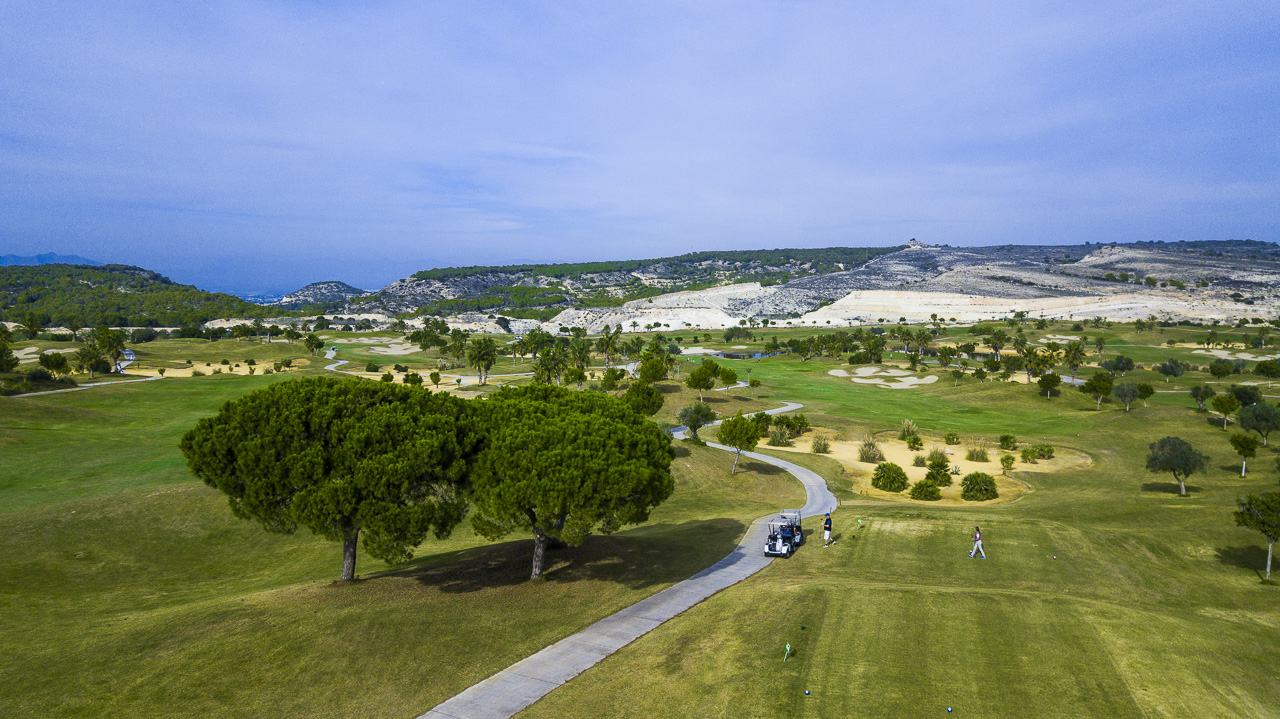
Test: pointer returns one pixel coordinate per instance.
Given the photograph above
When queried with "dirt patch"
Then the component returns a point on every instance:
(1009, 487)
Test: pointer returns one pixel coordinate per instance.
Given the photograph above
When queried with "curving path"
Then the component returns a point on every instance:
(338, 363)
(525, 682)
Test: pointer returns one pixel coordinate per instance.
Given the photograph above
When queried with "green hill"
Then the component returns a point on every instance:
(117, 295)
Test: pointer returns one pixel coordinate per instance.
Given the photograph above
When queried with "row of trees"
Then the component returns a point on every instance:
(387, 465)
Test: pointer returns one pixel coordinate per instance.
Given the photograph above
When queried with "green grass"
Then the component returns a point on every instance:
(128, 589)
(1153, 607)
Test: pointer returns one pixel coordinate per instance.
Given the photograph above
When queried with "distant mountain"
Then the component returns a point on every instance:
(329, 292)
(48, 258)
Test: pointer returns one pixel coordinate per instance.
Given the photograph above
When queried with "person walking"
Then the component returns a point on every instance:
(826, 531)
(977, 544)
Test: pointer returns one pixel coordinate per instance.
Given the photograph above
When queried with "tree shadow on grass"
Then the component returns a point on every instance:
(761, 468)
(1252, 557)
(638, 558)
(1168, 487)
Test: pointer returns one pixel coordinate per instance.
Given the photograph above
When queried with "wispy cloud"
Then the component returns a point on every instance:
(246, 145)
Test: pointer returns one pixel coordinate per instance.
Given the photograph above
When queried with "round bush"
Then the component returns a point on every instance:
(914, 443)
(978, 487)
(926, 491)
(939, 472)
(889, 477)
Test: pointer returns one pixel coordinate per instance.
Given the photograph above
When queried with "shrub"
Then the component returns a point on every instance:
(953, 438)
(938, 453)
(1009, 442)
(197, 373)
(889, 477)
(1028, 455)
(224, 362)
(939, 473)
(267, 370)
(1042, 451)
(977, 453)
(217, 370)
(908, 429)
(779, 437)
(388, 377)
(914, 443)
(919, 461)
(400, 368)
(978, 487)
(371, 367)
(286, 362)
(926, 491)
(250, 362)
(160, 371)
(821, 445)
(1006, 462)
(413, 378)
(869, 451)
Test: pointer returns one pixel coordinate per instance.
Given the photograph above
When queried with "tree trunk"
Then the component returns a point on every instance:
(1269, 545)
(349, 556)
(539, 552)
(735, 462)
(1182, 486)
(1243, 462)
(1099, 402)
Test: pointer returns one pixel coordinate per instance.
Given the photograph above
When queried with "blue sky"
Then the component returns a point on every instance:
(250, 146)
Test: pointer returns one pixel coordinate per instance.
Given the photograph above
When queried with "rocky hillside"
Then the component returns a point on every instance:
(329, 293)
(542, 291)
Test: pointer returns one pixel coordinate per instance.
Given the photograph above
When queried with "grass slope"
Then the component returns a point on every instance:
(1153, 608)
(128, 589)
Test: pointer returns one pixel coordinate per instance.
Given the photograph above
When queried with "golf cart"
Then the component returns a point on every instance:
(785, 534)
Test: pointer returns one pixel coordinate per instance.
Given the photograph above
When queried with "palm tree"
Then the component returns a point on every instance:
(1074, 355)
(580, 351)
(87, 356)
(482, 354)
(607, 344)
(997, 341)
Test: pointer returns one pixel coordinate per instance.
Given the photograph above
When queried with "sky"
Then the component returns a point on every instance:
(260, 146)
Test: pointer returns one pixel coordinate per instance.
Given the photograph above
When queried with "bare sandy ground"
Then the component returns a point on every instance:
(29, 354)
(1009, 487)
(886, 378)
(396, 348)
(1228, 354)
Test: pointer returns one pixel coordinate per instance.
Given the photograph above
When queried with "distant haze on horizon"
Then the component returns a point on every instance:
(261, 146)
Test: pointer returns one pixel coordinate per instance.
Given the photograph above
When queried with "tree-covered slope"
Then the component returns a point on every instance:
(117, 295)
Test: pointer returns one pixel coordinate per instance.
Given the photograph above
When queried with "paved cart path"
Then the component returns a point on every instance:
(525, 682)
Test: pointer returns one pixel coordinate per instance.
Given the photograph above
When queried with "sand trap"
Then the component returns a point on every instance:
(29, 354)
(899, 383)
(887, 378)
(896, 451)
(738, 347)
(1228, 354)
(353, 340)
(697, 351)
(1058, 338)
(395, 348)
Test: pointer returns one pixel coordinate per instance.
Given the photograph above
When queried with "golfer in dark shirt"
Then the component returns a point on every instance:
(826, 530)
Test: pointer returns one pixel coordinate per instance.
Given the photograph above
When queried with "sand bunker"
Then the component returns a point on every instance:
(1228, 354)
(29, 354)
(1058, 338)
(1009, 487)
(887, 378)
(697, 351)
(395, 348)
